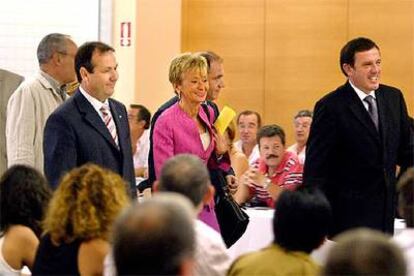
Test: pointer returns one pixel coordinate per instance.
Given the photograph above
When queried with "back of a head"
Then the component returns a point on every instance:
(364, 252)
(406, 197)
(210, 57)
(155, 237)
(85, 204)
(50, 44)
(302, 219)
(185, 174)
(24, 195)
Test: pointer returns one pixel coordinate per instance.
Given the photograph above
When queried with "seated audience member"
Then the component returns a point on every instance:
(406, 208)
(276, 170)
(78, 222)
(24, 195)
(156, 237)
(248, 123)
(238, 160)
(139, 119)
(300, 225)
(364, 252)
(302, 123)
(187, 175)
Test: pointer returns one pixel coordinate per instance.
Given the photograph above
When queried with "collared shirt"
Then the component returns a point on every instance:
(253, 157)
(362, 95)
(288, 173)
(141, 154)
(288, 176)
(301, 155)
(55, 84)
(97, 104)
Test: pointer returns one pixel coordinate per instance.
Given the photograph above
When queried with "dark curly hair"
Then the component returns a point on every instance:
(24, 195)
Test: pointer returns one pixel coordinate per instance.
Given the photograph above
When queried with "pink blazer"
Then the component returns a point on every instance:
(176, 132)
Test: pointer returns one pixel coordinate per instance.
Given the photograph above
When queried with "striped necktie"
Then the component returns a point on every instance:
(109, 122)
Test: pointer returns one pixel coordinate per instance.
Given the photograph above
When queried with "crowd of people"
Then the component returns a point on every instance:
(73, 166)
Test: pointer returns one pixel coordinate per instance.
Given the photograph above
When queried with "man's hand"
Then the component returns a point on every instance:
(256, 181)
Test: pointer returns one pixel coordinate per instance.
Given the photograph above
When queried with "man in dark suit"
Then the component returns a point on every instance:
(360, 132)
(90, 126)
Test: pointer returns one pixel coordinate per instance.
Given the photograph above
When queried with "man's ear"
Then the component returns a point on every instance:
(56, 58)
(84, 73)
(209, 195)
(142, 123)
(155, 186)
(347, 68)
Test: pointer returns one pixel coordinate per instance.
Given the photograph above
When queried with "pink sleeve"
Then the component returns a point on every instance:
(163, 148)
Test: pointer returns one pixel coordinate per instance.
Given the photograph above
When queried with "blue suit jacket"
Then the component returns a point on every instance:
(75, 134)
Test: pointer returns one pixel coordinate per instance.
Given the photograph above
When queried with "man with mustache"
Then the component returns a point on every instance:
(276, 170)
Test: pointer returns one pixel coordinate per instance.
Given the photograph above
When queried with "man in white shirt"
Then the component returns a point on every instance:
(36, 98)
(248, 123)
(186, 174)
(302, 123)
(139, 119)
(406, 208)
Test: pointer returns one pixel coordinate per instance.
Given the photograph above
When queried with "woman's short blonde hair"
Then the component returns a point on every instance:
(85, 204)
(184, 63)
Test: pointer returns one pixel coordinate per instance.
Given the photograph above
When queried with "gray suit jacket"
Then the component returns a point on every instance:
(8, 83)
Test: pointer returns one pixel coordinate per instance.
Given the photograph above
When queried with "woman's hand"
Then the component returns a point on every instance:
(232, 183)
(221, 143)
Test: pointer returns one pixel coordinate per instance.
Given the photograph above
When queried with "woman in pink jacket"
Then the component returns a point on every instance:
(185, 127)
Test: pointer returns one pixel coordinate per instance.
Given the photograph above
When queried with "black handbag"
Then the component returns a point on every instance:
(232, 219)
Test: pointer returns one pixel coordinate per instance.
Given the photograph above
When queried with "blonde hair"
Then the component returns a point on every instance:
(184, 63)
(85, 204)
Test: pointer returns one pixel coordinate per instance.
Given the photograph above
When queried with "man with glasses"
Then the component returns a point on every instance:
(36, 98)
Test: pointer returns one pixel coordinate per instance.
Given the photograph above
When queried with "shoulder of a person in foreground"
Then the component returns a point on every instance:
(21, 234)
(243, 264)
(91, 256)
(23, 244)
